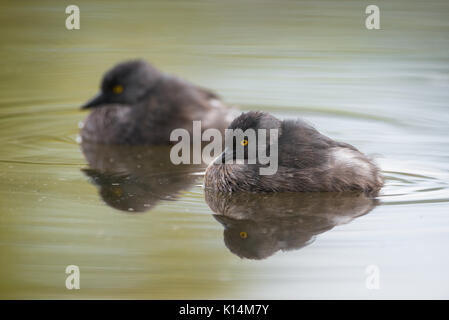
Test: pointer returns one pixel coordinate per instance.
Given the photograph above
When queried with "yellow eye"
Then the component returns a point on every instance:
(243, 235)
(244, 142)
(117, 89)
(117, 191)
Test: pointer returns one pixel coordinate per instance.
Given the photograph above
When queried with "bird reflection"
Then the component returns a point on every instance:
(135, 179)
(256, 226)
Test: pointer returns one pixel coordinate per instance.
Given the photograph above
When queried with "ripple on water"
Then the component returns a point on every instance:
(409, 183)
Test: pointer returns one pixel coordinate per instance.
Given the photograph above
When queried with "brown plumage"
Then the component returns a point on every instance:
(308, 161)
(140, 105)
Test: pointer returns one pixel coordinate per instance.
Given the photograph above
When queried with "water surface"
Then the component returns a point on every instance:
(148, 232)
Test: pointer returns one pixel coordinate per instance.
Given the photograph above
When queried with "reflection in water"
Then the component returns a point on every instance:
(385, 91)
(135, 179)
(257, 226)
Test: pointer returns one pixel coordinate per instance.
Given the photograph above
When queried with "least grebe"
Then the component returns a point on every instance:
(307, 161)
(140, 105)
(258, 225)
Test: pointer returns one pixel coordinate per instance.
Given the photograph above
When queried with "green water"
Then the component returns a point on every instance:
(385, 91)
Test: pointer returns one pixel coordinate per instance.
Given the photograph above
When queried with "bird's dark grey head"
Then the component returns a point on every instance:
(125, 84)
(255, 120)
(252, 121)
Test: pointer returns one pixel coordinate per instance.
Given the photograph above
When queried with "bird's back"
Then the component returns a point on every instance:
(176, 104)
(315, 159)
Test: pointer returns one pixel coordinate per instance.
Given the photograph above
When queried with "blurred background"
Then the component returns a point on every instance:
(385, 91)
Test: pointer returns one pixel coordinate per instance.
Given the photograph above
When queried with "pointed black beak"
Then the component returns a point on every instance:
(226, 157)
(96, 101)
(224, 220)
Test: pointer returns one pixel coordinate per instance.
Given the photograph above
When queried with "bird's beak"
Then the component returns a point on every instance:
(224, 220)
(226, 157)
(96, 101)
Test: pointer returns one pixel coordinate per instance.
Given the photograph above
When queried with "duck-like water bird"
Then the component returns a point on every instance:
(140, 105)
(307, 161)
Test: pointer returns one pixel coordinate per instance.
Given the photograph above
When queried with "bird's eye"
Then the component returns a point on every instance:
(244, 142)
(117, 191)
(117, 89)
(243, 235)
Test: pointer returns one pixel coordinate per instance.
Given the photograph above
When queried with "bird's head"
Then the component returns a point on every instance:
(125, 84)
